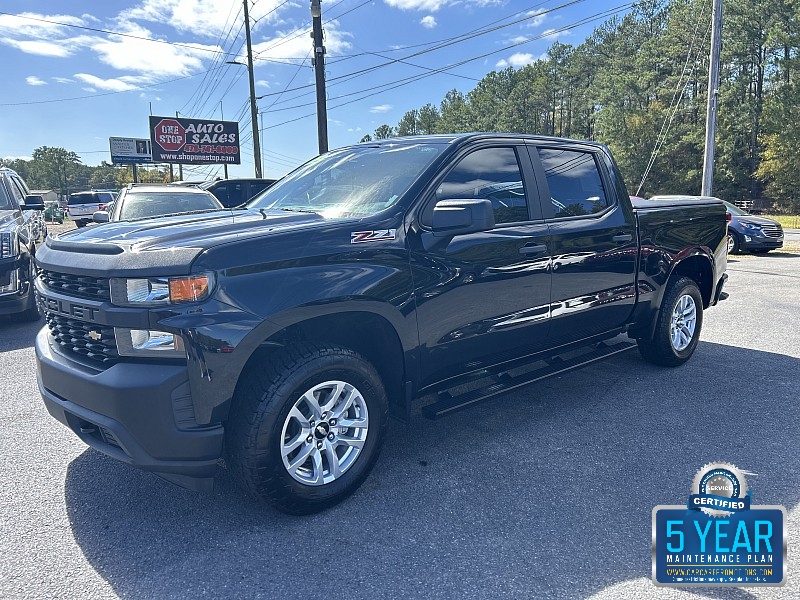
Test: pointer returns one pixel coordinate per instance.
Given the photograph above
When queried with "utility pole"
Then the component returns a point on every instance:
(713, 97)
(180, 165)
(222, 118)
(253, 109)
(319, 71)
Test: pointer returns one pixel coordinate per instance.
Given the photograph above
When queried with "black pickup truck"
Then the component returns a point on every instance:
(282, 335)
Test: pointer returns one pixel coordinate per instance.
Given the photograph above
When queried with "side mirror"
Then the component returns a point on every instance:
(33, 202)
(100, 216)
(457, 217)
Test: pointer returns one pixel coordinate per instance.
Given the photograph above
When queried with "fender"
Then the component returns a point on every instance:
(215, 364)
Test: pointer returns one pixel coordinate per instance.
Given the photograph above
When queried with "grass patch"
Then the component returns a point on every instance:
(786, 221)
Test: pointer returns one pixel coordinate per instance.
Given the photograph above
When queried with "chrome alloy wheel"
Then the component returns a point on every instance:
(731, 243)
(683, 323)
(324, 433)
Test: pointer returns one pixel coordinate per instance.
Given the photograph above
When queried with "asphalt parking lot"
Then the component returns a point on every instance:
(543, 493)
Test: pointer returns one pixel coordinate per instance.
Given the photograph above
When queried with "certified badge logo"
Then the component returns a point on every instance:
(719, 489)
(719, 538)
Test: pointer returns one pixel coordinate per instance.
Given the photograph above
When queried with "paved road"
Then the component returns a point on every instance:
(544, 493)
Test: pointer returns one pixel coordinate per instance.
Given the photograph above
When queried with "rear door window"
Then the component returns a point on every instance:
(576, 188)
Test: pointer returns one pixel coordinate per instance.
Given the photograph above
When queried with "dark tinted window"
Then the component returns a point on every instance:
(81, 199)
(489, 174)
(235, 193)
(256, 187)
(574, 182)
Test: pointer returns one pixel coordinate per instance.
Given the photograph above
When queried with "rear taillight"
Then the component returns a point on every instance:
(101, 206)
(728, 217)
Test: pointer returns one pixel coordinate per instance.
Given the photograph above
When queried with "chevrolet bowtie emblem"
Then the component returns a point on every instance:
(95, 335)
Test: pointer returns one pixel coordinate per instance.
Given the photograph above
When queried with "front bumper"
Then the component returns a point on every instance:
(15, 289)
(752, 242)
(137, 413)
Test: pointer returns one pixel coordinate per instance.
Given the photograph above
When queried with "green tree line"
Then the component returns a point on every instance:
(639, 84)
(62, 171)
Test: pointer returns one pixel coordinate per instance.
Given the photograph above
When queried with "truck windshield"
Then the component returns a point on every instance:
(352, 182)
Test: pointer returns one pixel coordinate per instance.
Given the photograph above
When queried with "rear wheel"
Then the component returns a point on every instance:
(678, 326)
(307, 428)
(80, 223)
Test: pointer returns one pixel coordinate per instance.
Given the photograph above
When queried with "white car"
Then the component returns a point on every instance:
(82, 205)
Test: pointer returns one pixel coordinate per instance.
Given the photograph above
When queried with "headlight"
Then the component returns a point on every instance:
(9, 244)
(148, 343)
(751, 226)
(161, 290)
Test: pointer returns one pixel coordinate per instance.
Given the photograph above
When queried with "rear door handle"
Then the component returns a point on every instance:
(622, 237)
(529, 249)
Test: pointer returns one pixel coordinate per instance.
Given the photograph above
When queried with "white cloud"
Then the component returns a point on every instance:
(554, 34)
(152, 58)
(262, 83)
(520, 39)
(121, 84)
(516, 60)
(381, 108)
(293, 45)
(40, 48)
(429, 5)
(434, 5)
(428, 22)
(539, 16)
(205, 18)
(63, 80)
(34, 80)
(37, 25)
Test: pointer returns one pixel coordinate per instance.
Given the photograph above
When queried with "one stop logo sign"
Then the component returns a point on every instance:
(169, 134)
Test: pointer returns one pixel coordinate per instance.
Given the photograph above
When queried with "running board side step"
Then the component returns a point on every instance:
(503, 382)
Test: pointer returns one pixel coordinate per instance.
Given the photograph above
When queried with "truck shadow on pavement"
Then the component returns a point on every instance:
(545, 492)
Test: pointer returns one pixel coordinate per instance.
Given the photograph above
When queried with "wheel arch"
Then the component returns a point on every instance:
(367, 333)
(697, 266)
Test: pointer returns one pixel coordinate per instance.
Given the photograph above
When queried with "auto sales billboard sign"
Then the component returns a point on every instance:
(194, 141)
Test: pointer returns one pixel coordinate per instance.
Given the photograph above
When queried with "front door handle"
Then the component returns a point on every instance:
(530, 249)
(622, 237)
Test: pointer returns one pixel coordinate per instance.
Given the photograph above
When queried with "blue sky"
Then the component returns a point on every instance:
(69, 80)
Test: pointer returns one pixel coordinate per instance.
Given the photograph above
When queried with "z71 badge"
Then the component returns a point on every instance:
(359, 237)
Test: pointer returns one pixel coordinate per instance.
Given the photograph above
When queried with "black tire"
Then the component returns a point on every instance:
(661, 349)
(734, 243)
(80, 223)
(260, 416)
(32, 313)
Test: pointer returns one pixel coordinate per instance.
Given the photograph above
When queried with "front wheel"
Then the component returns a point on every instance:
(307, 427)
(734, 245)
(678, 326)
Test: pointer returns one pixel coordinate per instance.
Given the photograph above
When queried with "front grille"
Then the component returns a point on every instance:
(78, 286)
(75, 337)
(773, 231)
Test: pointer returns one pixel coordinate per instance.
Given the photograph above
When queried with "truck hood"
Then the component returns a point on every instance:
(201, 230)
(166, 244)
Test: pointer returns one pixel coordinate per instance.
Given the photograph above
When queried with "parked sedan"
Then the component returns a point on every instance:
(750, 233)
(137, 202)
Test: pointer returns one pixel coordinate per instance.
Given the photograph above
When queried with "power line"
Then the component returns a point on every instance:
(413, 79)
